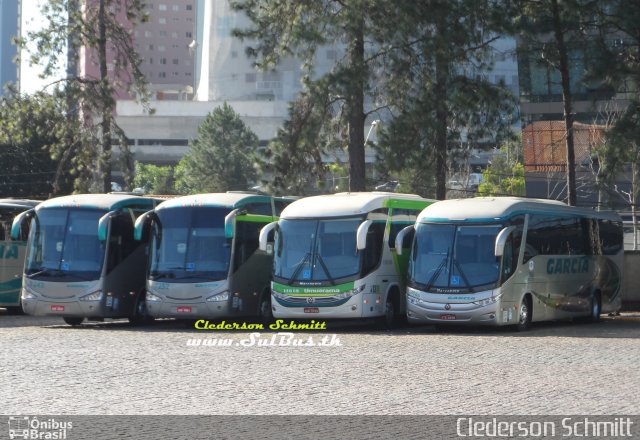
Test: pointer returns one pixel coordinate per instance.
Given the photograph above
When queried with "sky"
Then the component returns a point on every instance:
(31, 20)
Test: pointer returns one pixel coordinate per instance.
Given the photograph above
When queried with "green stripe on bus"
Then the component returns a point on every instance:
(312, 291)
(255, 218)
(406, 204)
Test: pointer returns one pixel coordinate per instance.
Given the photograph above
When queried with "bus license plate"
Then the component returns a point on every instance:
(183, 309)
(57, 308)
(448, 317)
(311, 310)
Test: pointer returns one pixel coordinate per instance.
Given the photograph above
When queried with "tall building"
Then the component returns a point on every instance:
(224, 73)
(163, 42)
(166, 43)
(9, 28)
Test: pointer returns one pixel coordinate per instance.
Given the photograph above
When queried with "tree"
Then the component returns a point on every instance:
(505, 174)
(31, 129)
(554, 32)
(437, 53)
(283, 28)
(221, 157)
(154, 179)
(103, 28)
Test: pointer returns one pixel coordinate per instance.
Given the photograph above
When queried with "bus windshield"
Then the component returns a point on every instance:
(454, 257)
(63, 243)
(189, 243)
(317, 250)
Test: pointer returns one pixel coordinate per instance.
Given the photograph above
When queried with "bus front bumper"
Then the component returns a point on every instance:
(189, 310)
(71, 308)
(422, 312)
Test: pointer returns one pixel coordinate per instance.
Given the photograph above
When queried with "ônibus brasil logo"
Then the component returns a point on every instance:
(25, 427)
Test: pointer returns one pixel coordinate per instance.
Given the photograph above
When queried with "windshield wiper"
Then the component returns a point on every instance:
(435, 275)
(155, 275)
(326, 270)
(48, 272)
(299, 267)
(200, 274)
(464, 277)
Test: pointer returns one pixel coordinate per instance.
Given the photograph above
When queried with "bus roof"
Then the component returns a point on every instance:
(107, 202)
(18, 203)
(349, 204)
(222, 200)
(492, 209)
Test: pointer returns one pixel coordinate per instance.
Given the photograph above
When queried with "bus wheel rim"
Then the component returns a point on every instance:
(524, 312)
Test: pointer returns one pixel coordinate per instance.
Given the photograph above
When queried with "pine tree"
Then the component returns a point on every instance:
(221, 157)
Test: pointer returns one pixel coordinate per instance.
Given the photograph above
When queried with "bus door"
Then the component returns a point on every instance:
(251, 267)
(125, 267)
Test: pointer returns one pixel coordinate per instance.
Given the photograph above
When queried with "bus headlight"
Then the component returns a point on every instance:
(352, 292)
(26, 295)
(278, 295)
(93, 296)
(152, 298)
(224, 296)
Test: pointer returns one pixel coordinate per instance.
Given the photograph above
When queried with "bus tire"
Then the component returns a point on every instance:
(140, 313)
(525, 313)
(265, 314)
(390, 318)
(15, 310)
(596, 307)
(71, 320)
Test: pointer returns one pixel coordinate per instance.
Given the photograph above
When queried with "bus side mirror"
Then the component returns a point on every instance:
(400, 238)
(264, 235)
(501, 240)
(16, 226)
(361, 235)
(229, 223)
(103, 225)
(140, 223)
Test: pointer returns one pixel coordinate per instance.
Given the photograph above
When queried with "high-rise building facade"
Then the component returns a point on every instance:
(9, 28)
(166, 43)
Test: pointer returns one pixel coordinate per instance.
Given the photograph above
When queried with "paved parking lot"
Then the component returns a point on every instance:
(47, 367)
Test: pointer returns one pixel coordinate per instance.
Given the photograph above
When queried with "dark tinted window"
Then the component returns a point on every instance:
(263, 208)
(548, 235)
(611, 238)
(246, 242)
(373, 252)
(400, 219)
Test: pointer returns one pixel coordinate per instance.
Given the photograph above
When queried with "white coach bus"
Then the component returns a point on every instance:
(82, 261)
(204, 260)
(511, 261)
(335, 256)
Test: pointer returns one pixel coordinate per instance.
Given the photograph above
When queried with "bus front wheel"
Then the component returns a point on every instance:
(390, 318)
(596, 307)
(264, 311)
(524, 315)
(73, 321)
(15, 310)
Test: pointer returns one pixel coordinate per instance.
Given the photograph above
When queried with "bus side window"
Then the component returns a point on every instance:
(246, 242)
(373, 252)
(121, 243)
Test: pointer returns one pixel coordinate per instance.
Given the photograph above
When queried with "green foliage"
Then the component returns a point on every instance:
(501, 180)
(98, 30)
(221, 158)
(332, 103)
(30, 129)
(436, 97)
(154, 179)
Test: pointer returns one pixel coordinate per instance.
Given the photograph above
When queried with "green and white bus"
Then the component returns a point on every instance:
(335, 256)
(82, 261)
(511, 261)
(204, 259)
(12, 253)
